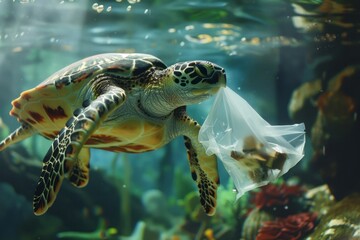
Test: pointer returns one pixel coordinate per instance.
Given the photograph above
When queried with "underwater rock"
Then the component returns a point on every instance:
(335, 116)
(14, 209)
(292, 227)
(302, 106)
(154, 203)
(321, 200)
(77, 210)
(253, 223)
(158, 216)
(45, 227)
(341, 222)
(18, 167)
(336, 128)
(335, 132)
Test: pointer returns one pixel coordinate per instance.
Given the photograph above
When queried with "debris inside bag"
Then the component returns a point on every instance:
(257, 160)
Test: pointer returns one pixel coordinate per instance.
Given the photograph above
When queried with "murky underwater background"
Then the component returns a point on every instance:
(269, 48)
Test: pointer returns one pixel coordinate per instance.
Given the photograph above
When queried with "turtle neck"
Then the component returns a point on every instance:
(158, 102)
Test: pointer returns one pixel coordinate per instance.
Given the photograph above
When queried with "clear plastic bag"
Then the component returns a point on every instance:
(252, 151)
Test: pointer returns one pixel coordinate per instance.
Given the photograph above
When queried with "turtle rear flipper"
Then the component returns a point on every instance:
(18, 135)
(68, 144)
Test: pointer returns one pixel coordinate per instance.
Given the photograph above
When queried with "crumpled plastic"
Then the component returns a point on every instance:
(253, 151)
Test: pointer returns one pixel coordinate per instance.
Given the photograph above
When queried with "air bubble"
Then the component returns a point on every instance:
(232, 53)
(95, 6)
(100, 8)
(171, 30)
(189, 27)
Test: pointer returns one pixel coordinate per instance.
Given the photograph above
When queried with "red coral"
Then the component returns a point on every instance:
(273, 195)
(290, 228)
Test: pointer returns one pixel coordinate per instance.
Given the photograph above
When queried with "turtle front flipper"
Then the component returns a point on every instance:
(203, 168)
(61, 159)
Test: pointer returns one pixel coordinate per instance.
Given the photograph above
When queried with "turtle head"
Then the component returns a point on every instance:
(195, 81)
(182, 84)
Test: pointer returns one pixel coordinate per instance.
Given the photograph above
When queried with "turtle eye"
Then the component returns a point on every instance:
(204, 70)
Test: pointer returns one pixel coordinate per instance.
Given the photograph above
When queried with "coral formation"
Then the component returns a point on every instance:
(273, 195)
(292, 227)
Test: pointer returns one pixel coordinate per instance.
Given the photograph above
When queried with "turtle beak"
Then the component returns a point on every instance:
(217, 81)
(222, 80)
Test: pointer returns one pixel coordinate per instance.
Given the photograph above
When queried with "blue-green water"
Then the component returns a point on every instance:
(268, 48)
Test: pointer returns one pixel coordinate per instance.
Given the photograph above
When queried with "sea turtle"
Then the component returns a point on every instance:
(117, 102)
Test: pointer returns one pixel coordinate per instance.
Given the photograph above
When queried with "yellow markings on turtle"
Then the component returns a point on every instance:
(129, 129)
(99, 139)
(153, 135)
(130, 136)
(135, 131)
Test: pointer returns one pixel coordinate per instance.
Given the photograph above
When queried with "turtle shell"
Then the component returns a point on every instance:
(48, 106)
